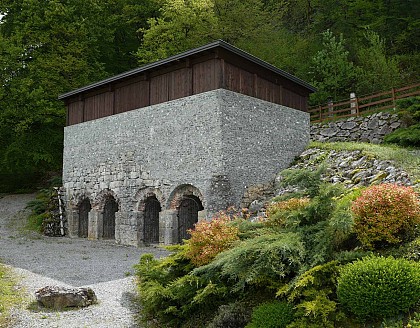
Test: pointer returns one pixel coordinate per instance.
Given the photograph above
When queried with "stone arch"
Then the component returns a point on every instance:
(107, 204)
(180, 192)
(84, 208)
(188, 201)
(78, 215)
(150, 202)
(102, 197)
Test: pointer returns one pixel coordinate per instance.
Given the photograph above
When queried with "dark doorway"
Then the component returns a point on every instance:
(110, 208)
(84, 209)
(188, 215)
(151, 220)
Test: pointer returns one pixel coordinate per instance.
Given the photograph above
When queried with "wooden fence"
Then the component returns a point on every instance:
(364, 105)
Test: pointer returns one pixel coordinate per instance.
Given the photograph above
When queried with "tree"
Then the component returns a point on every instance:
(46, 48)
(332, 71)
(376, 71)
(186, 24)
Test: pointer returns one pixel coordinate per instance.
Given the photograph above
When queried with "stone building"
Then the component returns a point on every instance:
(149, 152)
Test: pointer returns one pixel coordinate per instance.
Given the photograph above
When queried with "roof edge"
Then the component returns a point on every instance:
(212, 45)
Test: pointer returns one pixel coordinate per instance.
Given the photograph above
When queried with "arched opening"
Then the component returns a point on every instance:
(151, 219)
(110, 208)
(188, 210)
(84, 209)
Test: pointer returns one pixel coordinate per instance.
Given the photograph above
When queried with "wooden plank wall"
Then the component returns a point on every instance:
(203, 75)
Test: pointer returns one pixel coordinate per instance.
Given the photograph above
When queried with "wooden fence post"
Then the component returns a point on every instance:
(320, 113)
(353, 101)
(330, 107)
(393, 98)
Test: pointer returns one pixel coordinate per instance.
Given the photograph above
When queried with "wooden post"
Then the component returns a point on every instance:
(357, 107)
(393, 98)
(330, 107)
(353, 103)
(320, 113)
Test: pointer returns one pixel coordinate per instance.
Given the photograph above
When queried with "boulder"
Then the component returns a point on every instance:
(61, 297)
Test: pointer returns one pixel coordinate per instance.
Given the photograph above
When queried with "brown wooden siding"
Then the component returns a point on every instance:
(180, 83)
(98, 106)
(239, 80)
(185, 78)
(206, 76)
(75, 112)
(159, 89)
(131, 96)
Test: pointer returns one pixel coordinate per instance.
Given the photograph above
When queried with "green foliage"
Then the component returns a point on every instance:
(303, 179)
(407, 137)
(286, 213)
(38, 208)
(233, 315)
(48, 48)
(313, 292)
(184, 25)
(409, 109)
(411, 251)
(169, 293)
(333, 72)
(377, 287)
(386, 214)
(264, 261)
(341, 223)
(376, 71)
(272, 315)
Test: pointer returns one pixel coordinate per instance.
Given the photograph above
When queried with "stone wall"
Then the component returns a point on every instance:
(370, 129)
(212, 146)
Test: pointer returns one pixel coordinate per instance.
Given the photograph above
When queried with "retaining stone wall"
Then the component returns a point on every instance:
(213, 145)
(370, 129)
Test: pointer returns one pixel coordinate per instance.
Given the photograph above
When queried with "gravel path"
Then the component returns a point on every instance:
(40, 261)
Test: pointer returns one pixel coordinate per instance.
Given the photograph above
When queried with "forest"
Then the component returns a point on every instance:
(48, 47)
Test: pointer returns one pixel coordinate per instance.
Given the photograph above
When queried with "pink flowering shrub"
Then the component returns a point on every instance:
(386, 213)
(210, 238)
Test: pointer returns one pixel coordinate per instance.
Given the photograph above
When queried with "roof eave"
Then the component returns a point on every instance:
(218, 43)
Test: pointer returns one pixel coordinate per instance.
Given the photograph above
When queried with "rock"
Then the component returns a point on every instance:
(61, 297)
(395, 125)
(348, 125)
(330, 132)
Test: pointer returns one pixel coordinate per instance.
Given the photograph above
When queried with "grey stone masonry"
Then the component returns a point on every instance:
(372, 128)
(211, 147)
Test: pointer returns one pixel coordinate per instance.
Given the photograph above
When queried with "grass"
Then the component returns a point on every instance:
(402, 157)
(9, 295)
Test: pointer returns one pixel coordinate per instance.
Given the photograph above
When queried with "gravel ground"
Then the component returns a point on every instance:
(40, 261)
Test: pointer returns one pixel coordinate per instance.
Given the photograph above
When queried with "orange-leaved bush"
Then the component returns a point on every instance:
(209, 238)
(386, 214)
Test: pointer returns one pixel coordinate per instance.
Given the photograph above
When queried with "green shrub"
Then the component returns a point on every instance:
(286, 213)
(233, 315)
(409, 110)
(411, 251)
(313, 293)
(378, 287)
(303, 179)
(261, 261)
(386, 214)
(209, 238)
(406, 137)
(272, 315)
(341, 223)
